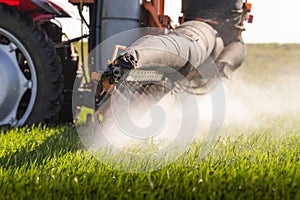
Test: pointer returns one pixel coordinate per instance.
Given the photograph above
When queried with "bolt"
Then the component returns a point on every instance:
(12, 47)
(13, 122)
(28, 84)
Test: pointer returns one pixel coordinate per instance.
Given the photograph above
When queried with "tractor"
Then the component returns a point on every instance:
(39, 66)
(38, 62)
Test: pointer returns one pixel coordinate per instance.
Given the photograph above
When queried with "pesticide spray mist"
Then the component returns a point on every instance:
(249, 103)
(156, 134)
(245, 104)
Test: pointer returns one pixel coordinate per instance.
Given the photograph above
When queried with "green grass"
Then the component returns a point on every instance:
(77, 45)
(50, 163)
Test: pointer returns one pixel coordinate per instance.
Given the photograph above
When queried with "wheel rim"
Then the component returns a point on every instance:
(18, 81)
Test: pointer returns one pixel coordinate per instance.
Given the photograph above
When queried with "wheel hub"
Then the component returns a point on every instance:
(13, 84)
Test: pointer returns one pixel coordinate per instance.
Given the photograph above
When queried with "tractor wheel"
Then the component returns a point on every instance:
(31, 80)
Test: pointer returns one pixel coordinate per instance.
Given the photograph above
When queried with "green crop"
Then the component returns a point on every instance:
(50, 163)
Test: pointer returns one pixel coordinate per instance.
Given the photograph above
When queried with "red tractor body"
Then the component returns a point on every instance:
(11, 2)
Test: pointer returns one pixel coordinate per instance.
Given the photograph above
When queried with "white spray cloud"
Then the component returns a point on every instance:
(248, 103)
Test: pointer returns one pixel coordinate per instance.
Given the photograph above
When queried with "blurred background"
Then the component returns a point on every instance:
(274, 21)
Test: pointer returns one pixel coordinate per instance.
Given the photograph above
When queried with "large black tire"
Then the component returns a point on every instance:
(46, 64)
